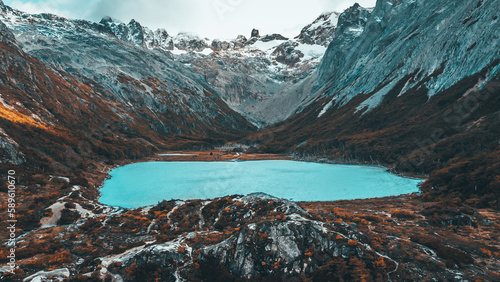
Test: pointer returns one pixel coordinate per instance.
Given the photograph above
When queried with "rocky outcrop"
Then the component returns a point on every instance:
(162, 40)
(260, 237)
(272, 37)
(240, 41)
(255, 33)
(218, 45)
(321, 31)
(287, 54)
(190, 42)
(9, 150)
(6, 34)
(292, 244)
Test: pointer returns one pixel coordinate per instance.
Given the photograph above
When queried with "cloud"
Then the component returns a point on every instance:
(34, 7)
(173, 15)
(66, 8)
(344, 4)
(211, 18)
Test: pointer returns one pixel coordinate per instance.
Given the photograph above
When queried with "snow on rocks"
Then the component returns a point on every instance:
(53, 275)
(54, 218)
(325, 108)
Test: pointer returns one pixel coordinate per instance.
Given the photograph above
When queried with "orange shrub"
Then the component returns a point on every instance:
(352, 243)
(263, 236)
(376, 241)
(380, 263)
(486, 252)
(130, 270)
(403, 214)
(469, 228)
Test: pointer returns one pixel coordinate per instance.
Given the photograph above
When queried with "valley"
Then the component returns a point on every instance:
(408, 85)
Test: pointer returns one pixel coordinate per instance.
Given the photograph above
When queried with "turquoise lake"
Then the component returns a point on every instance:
(144, 184)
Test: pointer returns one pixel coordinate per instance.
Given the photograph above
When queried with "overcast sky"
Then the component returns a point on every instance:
(210, 18)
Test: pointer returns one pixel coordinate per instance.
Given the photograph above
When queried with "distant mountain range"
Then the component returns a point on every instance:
(253, 75)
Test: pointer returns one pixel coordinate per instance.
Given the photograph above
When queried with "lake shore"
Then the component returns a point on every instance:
(214, 156)
(223, 155)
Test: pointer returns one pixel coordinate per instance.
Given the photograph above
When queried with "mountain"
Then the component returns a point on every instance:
(137, 34)
(321, 31)
(72, 85)
(251, 74)
(412, 85)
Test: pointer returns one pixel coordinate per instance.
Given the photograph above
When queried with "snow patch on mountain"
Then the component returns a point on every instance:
(321, 31)
(376, 99)
(325, 108)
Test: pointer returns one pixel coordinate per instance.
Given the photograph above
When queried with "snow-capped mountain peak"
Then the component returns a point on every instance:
(266, 64)
(321, 31)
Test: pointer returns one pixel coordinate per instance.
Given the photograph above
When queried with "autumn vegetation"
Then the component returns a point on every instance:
(428, 236)
(451, 138)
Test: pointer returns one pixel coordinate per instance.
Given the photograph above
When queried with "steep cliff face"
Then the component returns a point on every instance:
(414, 38)
(410, 84)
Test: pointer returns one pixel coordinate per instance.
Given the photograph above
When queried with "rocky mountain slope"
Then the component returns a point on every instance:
(413, 85)
(252, 74)
(72, 94)
(91, 52)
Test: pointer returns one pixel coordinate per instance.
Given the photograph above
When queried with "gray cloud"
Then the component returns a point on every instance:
(211, 18)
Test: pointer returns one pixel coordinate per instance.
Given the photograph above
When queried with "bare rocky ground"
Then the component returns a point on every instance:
(256, 237)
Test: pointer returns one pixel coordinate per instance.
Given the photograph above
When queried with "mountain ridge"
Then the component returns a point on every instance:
(277, 59)
(395, 87)
(409, 96)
